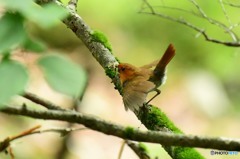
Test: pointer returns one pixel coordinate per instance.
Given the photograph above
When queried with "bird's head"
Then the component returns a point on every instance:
(126, 71)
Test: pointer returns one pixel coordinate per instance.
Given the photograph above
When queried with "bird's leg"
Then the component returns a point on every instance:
(157, 93)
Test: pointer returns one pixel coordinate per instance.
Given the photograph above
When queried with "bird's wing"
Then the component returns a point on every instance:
(135, 93)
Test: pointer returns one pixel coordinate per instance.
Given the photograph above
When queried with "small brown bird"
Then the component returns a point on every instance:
(137, 82)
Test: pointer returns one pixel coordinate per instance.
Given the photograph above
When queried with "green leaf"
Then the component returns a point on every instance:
(63, 75)
(13, 80)
(12, 32)
(51, 14)
(17, 5)
(34, 45)
(45, 16)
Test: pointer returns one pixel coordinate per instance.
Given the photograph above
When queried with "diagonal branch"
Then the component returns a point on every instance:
(93, 41)
(164, 138)
(72, 4)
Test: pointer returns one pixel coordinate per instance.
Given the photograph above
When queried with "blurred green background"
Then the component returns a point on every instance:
(201, 94)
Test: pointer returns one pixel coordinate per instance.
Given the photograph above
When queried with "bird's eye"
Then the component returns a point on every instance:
(123, 69)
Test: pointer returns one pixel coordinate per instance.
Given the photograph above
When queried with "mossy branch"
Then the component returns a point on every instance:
(154, 119)
(95, 41)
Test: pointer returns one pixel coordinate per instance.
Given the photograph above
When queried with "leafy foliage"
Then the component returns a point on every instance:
(12, 32)
(46, 16)
(34, 45)
(63, 75)
(13, 79)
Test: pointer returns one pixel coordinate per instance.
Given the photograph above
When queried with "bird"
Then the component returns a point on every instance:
(137, 82)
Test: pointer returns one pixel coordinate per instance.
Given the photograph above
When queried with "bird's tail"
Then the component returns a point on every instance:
(158, 76)
(166, 58)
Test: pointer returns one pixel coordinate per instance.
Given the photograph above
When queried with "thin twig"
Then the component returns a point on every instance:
(234, 26)
(36, 99)
(215, 22)
(164, 138)
(6, 142)
(63, 151)
(63, 131)
(138, 149)
(149, 6)
(235, 43)
(143, 8)
(121, 149)
(10, 151)
(25, 133)
(225, 13)
(72, 4)
(232, 5)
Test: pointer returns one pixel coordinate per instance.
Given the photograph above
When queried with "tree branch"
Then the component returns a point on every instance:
(234, 43)
(139, 149)
(45, 103)
(164, 138)
(72, 4)
(94, 41)
(232, 5)
(4, 144)
(34, 98)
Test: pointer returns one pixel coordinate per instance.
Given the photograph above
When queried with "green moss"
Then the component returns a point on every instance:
(186, 152)
(98, 36)
(143, 147)
(154, 119)
(110, 72)
(6, 56)
(129, 131)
